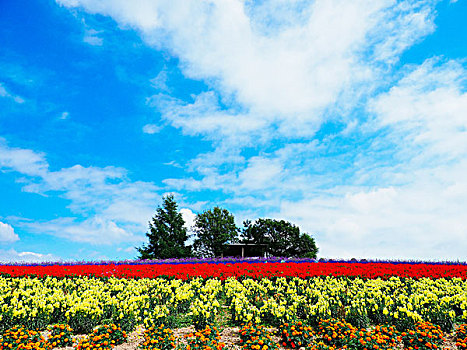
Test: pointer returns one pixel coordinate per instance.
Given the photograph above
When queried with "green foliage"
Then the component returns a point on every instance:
(214, 228)
(441, 317)
(357, 318)
(167, 234)
(306, 247)
(281, 238)
(82, 322)
(6, 321)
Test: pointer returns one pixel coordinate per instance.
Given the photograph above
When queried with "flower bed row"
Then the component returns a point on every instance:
(102, 337)
(230, 260)
(84, 302)
(225, 269)
(329, 334)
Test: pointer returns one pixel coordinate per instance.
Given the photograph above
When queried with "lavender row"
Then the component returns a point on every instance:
(230, 260)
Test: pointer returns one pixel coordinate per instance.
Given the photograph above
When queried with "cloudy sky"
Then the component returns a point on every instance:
(347, 118)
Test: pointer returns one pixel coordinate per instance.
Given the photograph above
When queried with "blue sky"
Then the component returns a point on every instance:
(348, 119)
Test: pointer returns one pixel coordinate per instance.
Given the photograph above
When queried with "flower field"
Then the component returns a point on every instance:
(335, 304)
(223, 269)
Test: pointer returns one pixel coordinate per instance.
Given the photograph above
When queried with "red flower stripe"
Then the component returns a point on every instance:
(254, 270)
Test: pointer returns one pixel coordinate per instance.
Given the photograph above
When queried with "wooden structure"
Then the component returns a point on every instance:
(245, 250)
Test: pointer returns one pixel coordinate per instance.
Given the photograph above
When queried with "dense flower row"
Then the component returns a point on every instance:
(60, 335)
(205, 339)
(228, 259)
(461, 337)
(227, 269)
(158, 338)
(21, 338)
(84, 302)
(256, 337)
(338, 334)
(329, 334)
(333, 333)
(103, 337)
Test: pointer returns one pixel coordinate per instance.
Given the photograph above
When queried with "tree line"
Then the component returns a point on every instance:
(214, 229)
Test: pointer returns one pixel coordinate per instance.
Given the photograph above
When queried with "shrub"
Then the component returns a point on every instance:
(82, 322)
(256, 337)
(321, 346)
(461, 337)
(296, 334)
(206, 339)
(158, 338)
(61, 335)
(381, 337)
(19, 338)
(103, 337)
(335, 332)
(424, 336)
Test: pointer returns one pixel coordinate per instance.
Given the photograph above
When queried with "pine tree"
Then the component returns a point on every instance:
(167, 234)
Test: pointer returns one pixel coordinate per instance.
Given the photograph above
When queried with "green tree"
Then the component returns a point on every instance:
(281, 238)
(214, 229)
(167, 234)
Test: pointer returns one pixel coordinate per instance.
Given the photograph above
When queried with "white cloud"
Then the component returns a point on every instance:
(115, 208)
(12, 255)
(204, 116)
(269, 176)
(160, 81)
(431, 109)
(188, 217)
(174, 164)
(261, 173)
(91, 37)
(315, 57)
(151, 129)
(64, 115)
(130, 250)
(421, 220)
(96, 230)
(405, 25)
(4, 93)
(7, 233)
(22, 160)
